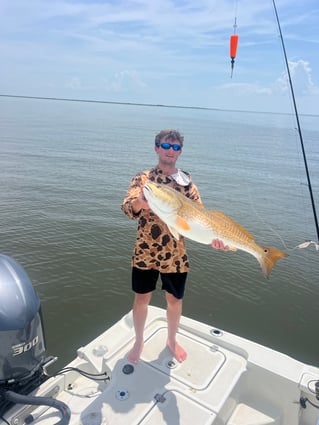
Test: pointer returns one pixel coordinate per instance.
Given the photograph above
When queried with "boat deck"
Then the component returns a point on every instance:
(215, 385)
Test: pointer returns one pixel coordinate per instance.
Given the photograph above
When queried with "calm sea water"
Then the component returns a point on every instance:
(65, 168)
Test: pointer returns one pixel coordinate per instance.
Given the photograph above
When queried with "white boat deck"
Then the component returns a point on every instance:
(225, 380)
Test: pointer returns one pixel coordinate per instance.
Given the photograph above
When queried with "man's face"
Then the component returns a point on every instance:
(168, 151)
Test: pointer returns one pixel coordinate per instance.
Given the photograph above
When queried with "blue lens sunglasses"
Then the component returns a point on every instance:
(167, 146)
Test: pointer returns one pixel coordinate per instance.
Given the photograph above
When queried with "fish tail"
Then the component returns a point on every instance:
(269, 258)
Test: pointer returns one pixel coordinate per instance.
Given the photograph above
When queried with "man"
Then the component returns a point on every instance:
(157, 252)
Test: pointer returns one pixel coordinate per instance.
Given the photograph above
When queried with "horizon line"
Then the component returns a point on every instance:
(154, 105)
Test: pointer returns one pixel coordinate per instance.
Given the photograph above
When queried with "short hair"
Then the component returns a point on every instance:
(169, 134)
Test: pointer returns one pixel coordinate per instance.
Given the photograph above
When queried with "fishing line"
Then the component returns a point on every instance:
(298, 123)
(306, 243)
(302, 245)
(265, 223)
(252, 203)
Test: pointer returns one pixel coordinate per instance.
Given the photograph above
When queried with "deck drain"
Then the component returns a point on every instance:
(122, 395)
(216, 332)
(128, 369)
(170, 364)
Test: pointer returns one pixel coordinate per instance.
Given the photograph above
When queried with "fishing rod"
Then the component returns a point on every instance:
(298, 123)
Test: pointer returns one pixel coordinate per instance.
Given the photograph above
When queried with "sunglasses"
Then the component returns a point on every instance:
(167, 146)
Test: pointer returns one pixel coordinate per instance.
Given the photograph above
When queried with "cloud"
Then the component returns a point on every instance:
(125, 81)
(245, 88)
(301, 75)
(146, 50)
(274, 95)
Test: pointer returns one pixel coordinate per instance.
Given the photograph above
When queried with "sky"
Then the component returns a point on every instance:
(168, 52)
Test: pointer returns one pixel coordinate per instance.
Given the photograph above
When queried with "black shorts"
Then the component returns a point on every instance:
(144, 281)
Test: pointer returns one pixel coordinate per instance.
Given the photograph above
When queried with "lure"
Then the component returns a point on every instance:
(307, 243)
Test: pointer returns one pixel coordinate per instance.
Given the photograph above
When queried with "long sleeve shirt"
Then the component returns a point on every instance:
(155, 246)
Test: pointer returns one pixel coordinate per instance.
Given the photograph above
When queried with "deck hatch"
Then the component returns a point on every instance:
(199, 369)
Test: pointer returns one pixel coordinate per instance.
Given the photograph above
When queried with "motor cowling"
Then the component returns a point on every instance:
(22, 348)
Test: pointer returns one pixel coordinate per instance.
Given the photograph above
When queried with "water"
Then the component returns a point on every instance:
(65, 168)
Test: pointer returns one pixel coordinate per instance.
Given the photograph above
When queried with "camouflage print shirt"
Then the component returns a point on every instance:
(155, 247)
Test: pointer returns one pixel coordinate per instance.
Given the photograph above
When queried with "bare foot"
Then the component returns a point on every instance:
(178, 352)
(135, 354)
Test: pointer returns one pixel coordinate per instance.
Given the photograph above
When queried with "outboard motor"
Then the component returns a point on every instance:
(22, 348)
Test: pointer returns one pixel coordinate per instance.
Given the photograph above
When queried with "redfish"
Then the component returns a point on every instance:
(185, 217)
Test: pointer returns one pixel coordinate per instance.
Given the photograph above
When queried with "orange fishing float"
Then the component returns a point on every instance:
(233, 47)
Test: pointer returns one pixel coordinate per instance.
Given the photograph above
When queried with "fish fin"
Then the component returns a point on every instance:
(182, 223)
(231, 222)
(269, 258)
(174, 232)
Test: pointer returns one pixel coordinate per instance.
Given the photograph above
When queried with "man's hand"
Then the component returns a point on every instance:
(140, 203)
(218, 244)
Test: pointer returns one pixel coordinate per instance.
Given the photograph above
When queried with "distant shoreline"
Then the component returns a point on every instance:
(153, 105)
